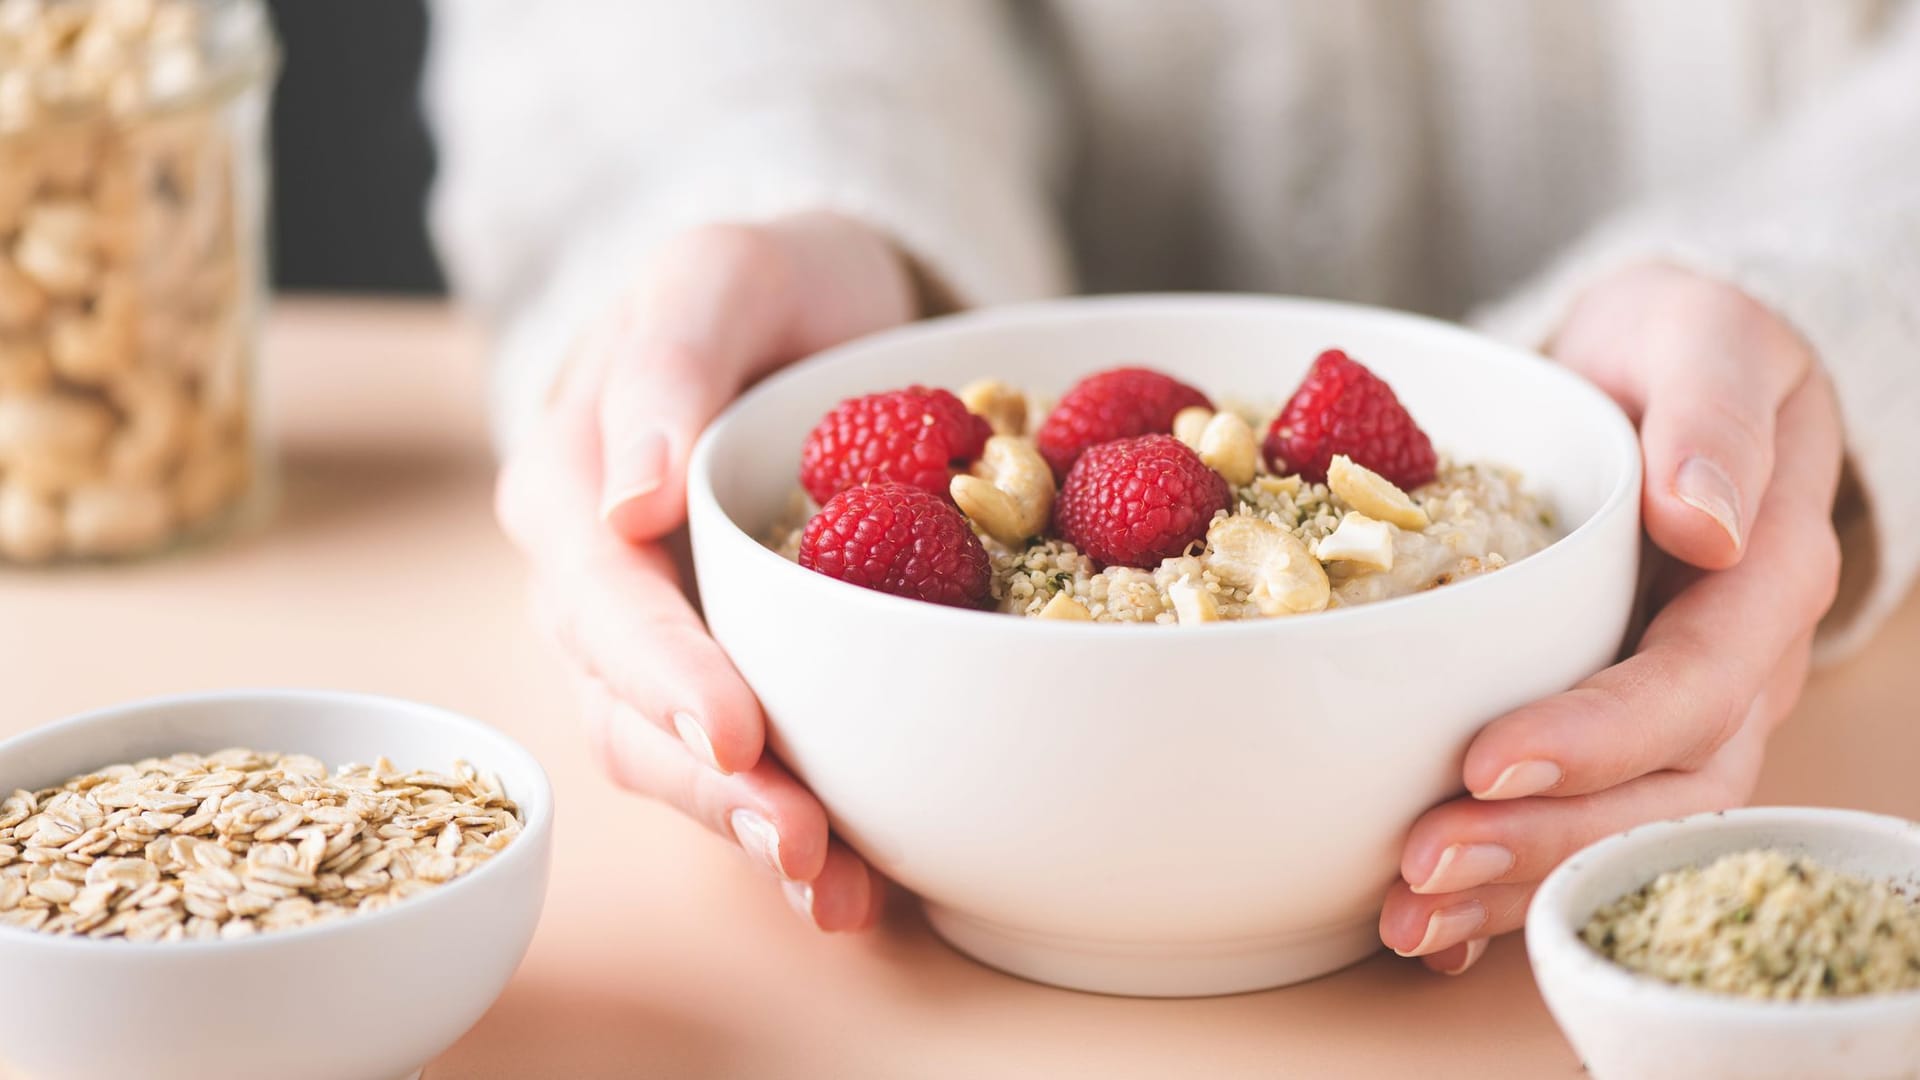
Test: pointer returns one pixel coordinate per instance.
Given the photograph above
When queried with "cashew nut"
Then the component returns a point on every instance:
(29, 525)
(155, 430)
(117, 519)
(22, 303)
(1281, 577)
(1191, 603)
(24, 370)
(51, 426)
(56, 248)
(1003, 407)
(1010, 494)
(1373, 495)
(1189, 423)
(1358, 539)
(1228, 447)
(1223, 440)
(1065, 607)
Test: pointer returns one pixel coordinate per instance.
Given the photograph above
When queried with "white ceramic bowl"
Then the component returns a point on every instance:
(371, 997)
(1162, 810)
(1629, 1027)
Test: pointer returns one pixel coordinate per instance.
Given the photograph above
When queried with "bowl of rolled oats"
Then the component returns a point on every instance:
(1131, 633)
(1769, 942)
(291, 883)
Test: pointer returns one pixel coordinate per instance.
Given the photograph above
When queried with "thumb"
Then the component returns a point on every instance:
(725, 305)
(703, 325)
(1707, 429)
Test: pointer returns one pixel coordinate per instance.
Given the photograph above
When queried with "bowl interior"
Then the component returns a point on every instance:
(1866, 845)
(337, 728)
(1477, 399)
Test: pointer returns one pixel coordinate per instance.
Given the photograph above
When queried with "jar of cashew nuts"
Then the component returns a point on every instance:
(132, 276)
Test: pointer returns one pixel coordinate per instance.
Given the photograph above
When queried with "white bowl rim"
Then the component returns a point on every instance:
(1626, 491)
(536, 810)
(1549, 925)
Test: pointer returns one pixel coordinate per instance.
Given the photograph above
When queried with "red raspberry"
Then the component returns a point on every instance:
(1134, 502)
(898, 539)
(915, 436)
(1342, 408)
(1117, 404)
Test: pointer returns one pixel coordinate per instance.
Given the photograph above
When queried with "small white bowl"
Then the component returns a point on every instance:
(1162, 811)
(1626, 1026)
(369, 997)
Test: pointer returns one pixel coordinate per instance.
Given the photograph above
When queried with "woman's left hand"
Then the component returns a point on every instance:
(1742, 446)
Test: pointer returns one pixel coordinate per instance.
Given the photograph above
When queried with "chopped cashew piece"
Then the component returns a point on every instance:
(1373, 495)
(1189, 423)
(1010, 493)
(1279, 485)
(1228, 447)
(1192, 603)
(1358, 539)
(1280, 575)
(1001, 406)
(1066, 607)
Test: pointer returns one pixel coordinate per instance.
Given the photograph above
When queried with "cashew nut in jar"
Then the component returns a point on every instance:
(30, 527)
(117, 519)
(1001, 406)
(51, 425)
(1273, 565)
(1009, 495)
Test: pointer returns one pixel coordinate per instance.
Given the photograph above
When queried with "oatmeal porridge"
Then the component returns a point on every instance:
(1136, 501)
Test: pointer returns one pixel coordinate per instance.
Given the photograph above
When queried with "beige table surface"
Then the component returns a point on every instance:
(663, 952)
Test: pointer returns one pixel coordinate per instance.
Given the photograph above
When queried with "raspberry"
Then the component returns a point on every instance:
(1117, 404)
(915, 436)
(1342, 408)
(1134, 502)
(898, 539)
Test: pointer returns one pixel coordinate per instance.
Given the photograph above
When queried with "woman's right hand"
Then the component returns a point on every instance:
(597, 490)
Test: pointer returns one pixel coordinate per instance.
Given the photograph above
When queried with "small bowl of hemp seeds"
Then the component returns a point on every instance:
(1765, 942)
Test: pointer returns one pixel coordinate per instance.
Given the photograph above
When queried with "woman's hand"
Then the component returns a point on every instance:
(596, 490)
(1742, 447)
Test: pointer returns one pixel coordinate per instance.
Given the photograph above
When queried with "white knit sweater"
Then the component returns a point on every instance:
(1481, 159)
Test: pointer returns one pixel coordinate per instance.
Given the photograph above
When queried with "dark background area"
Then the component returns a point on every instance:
(352, 160)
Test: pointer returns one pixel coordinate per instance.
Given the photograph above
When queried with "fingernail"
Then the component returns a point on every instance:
(800, 899)
(1476, 949)
(1521, 780)
(638, 469)
(696, 739)
(1705, 486)
(758, 838)
(1450, 926)
(1464, 866)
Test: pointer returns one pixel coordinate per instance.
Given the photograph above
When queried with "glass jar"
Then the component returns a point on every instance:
(132, 271)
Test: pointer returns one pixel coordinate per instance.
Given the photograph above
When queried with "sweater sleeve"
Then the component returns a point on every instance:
(1821, 222)
(575, 137)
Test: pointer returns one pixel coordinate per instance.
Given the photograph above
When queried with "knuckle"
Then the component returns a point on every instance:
(727, 248)
(1823, 566)
(1744, 428)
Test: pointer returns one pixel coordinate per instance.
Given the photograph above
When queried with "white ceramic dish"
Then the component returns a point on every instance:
(1162, 810)
(372, 997)
(1629, 1027)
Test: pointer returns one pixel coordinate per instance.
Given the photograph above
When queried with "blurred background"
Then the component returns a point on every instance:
(352, 160)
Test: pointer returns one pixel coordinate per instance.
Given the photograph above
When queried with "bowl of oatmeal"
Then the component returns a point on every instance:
(1147, 679)
(288, 883)
(1757, 943)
